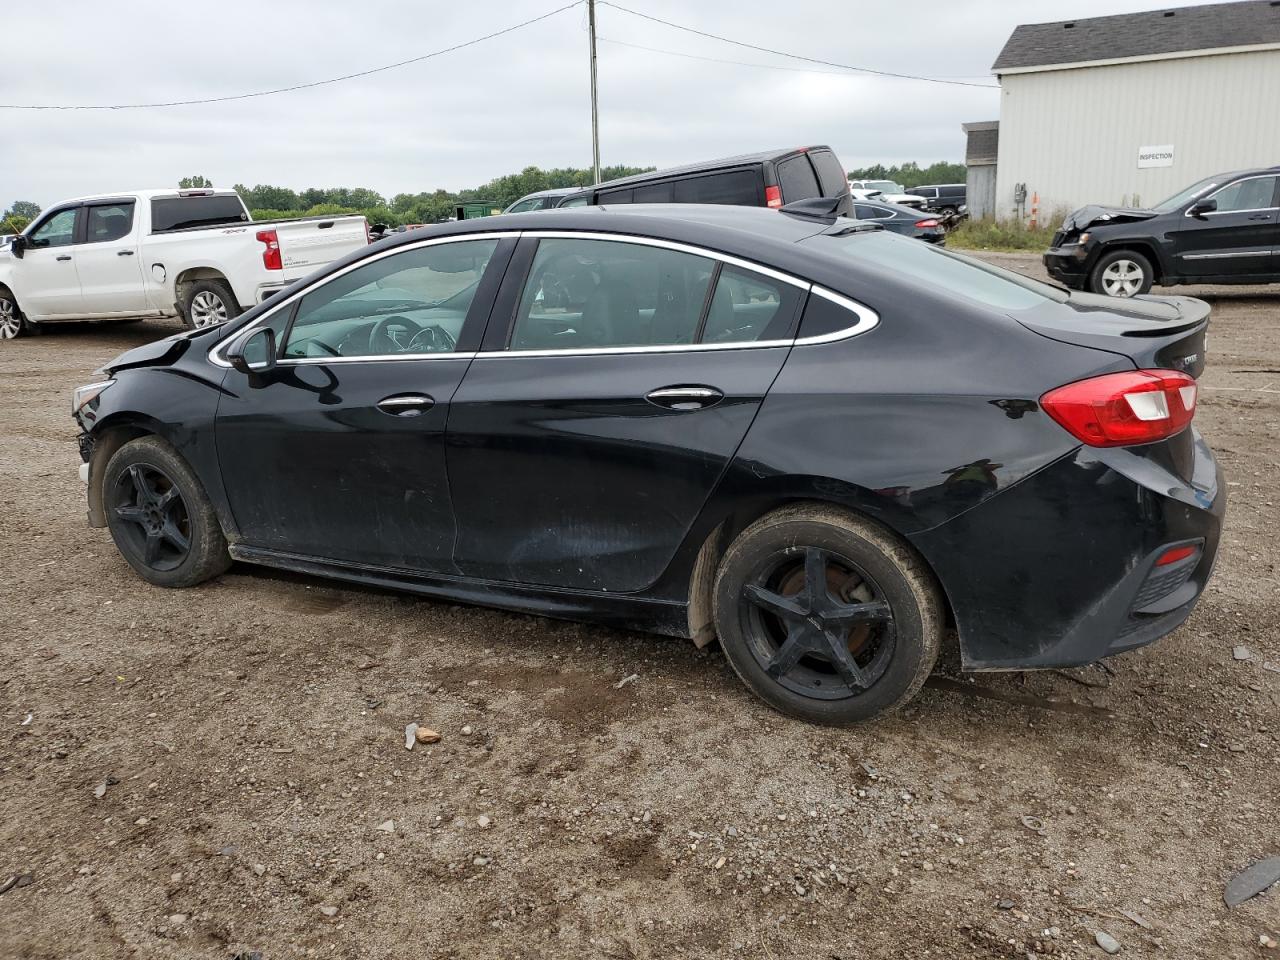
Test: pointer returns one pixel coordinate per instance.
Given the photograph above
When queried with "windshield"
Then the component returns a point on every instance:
(1182, 196)
(884, 186)
(964, 276)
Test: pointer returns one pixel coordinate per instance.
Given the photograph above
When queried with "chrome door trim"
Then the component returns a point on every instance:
(1225, 256)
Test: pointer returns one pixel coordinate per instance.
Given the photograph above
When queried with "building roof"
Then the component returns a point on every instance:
(982, 142)
(1150, 33)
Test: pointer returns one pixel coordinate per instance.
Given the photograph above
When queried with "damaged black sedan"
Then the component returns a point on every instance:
(1222, 229)
(822, 443)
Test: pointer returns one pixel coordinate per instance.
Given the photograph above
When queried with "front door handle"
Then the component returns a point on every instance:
(65, 256)
(406, 405)
(124, 253)
(685, 397)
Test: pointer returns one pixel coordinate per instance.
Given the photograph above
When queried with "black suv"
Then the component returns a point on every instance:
(1222, 229)
(945, 198)
(770, 179)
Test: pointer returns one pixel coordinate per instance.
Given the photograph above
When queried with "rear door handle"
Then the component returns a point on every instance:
(406, 405)
(124, 253)
(1260, 216)
(65, 256)
(685, 397)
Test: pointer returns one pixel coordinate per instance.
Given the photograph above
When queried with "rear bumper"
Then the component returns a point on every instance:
(1068, 265)
(1061, 569)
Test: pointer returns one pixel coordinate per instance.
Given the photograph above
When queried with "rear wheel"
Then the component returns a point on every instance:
(1122, 273)
(159, 516)
(208, 302)
(826, 616)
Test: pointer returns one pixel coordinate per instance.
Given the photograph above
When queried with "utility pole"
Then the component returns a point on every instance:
(595, 115)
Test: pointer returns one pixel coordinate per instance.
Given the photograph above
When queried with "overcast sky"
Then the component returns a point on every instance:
(462, 118)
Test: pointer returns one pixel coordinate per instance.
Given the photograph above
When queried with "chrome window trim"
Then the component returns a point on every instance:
(217, 352)
(868, 319)
(1210, 196)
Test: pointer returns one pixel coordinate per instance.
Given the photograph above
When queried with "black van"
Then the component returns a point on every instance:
(943, 198)
(769, 179)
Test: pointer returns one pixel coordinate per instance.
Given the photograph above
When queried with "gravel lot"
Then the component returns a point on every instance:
(259, 797)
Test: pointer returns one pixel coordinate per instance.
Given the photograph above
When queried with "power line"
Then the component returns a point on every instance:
(736, 63)
(796, 56)
(299, 86)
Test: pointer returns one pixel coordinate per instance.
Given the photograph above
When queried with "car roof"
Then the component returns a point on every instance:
(741, 160)
(760, 235)
(147, 195)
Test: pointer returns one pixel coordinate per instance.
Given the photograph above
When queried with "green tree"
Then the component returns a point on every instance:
(195, 183)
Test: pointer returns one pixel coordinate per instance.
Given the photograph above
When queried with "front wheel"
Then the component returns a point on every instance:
(12, 323)
(208, 303)
(826, 616)
(1121, 273)
(159, 516)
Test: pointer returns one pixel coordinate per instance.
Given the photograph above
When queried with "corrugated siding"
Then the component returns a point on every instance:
(1073, 135)
(980, 191)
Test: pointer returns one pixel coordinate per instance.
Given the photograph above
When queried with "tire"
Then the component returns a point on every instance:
(159, 516)
(947, 212)
(874, 573)
(1121, 273)
(12, 323)
(208, 302)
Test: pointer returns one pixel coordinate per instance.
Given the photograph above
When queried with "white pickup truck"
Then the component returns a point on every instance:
(195, 254)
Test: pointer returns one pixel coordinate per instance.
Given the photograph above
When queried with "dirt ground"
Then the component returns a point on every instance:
(259, 797)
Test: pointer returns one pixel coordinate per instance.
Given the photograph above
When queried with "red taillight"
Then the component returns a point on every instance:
(270, 255)
(1174, 554)
(1120, 409)
(773, 196)
(927, 224)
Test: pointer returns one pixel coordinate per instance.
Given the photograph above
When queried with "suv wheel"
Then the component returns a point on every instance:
(826, 616)
(1121, 273)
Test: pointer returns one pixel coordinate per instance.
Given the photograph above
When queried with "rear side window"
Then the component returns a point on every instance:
(735, 187)
(529, 203)
(797, 179)
(864, 211)
(576, 202)
(109, 221)
(957, 191)
(584, 294)
(831, 175)
(181, 213)
(748, 306)
(652, 193)
(617, 196)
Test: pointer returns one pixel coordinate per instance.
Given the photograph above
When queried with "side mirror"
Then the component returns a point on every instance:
(254, 353)
(1201, 207)
(17, 245)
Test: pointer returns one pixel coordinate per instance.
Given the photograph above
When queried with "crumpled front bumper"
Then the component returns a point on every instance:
(1067, 264)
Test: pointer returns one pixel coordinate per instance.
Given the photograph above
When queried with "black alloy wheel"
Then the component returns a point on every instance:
(821, 627)
(156, 526)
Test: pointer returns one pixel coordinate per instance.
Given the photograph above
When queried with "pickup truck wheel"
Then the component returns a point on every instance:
(826, 616)
(159, 516)
(208, 302)
(11, 322)
(1121, 273)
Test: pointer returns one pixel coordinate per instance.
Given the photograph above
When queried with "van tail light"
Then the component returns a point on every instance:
(1119, 409)
(927, 224)
(773, 197)
(271, 252)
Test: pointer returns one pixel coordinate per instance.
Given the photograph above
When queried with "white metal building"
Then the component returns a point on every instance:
(1128, 109)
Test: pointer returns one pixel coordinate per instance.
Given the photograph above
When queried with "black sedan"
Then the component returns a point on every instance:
(821, 442)
(904, 220)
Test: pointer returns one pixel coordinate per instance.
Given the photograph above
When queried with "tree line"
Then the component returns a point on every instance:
(911, 174)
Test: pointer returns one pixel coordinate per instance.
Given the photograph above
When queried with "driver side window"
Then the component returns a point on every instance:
(413, 302)
(58, 231)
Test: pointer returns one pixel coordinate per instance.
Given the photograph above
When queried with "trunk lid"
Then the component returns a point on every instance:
(1167, 333)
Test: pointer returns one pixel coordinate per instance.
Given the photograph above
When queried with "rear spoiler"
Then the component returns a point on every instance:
(820, 208)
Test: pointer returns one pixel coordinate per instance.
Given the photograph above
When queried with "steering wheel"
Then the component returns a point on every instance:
(381, 339)
(432, 339)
